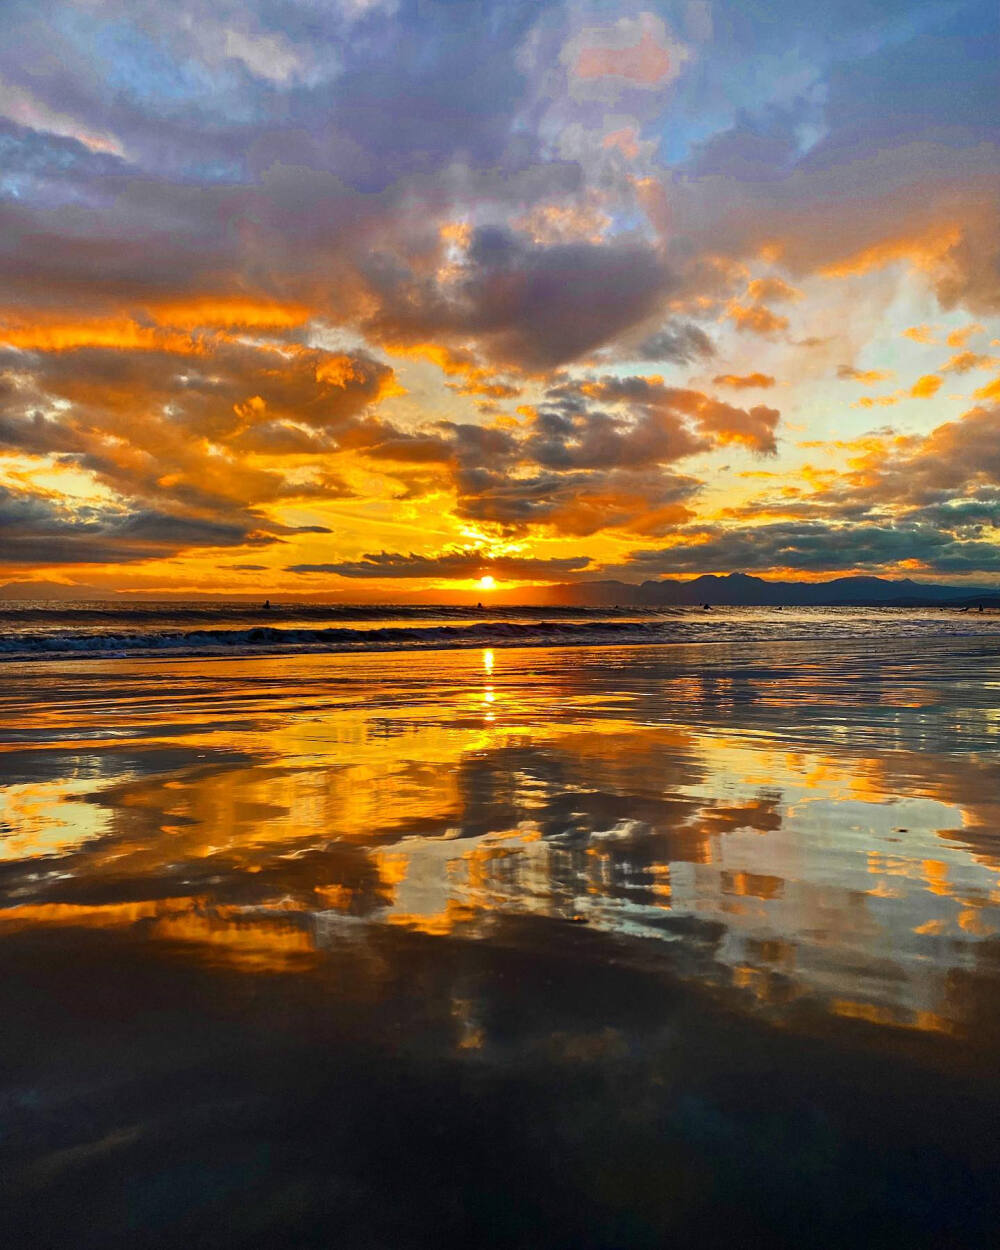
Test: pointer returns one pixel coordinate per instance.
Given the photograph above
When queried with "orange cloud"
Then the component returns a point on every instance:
(458, 364)
(771, 289)
(252, 314)
(919, 334)
(637, 51)
(625, 140)
(743, 382)
(926, 386)
(990, 391)
(876, 401)
(847, 373)
(756, 319)
(958, 338)
(925, 250)
(962, 362)
(550, 224)
(110, 333)
(169, 329)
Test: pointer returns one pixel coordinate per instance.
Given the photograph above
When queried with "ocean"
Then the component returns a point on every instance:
(53, 630)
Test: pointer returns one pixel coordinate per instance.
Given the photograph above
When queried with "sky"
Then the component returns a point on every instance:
(365, 298)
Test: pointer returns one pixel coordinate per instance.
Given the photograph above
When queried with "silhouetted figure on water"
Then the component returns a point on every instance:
(267, 605)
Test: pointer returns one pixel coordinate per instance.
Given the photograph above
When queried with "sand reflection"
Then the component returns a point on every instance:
(786, 831)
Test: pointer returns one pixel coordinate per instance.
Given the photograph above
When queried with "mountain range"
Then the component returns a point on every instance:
(743, 590)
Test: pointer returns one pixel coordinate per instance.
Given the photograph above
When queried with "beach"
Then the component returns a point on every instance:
(587, 946)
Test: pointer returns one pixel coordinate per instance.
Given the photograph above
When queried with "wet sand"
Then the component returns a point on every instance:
(584, 947)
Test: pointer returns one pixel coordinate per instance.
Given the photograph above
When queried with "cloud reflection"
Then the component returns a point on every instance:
(779, 862)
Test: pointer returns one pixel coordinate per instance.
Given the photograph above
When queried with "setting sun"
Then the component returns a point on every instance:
(487, 582)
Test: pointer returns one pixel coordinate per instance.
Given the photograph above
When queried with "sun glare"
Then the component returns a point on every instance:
(487, 582)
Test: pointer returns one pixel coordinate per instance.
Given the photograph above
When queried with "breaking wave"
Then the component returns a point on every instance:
(369, 633)
(270, 639)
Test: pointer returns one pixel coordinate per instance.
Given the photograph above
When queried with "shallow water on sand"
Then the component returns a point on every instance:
(582, 947)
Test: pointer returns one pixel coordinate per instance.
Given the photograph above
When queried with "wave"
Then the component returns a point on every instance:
(663, 628)
(151, 612)
(272, 640)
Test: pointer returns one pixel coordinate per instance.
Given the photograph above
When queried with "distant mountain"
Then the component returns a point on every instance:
(55, 590)
(742, 590)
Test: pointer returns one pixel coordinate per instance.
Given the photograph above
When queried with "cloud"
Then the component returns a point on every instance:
(962, 362)
(40, 530)
(676, 343)
(847, 373)
(686, 413)
(596, 454)
(771, 289)
(472, 563)
(990, 391)
(920, 334)
(926, 386)
(743, 382)
(599, 453)
(577, 503)
(817, 547)
(756, 319)
(898, 168)
(528, 306)
(172, 434)
(925, 505)
(959, 337)
(633, 52)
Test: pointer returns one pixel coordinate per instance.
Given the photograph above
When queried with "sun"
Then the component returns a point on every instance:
(487, 582)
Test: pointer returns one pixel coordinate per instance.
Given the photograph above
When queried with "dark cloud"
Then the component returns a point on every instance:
(680, 344)
(457, 564)
(812, 547)
(599, 440)
(37, 530)
(531, 307)
(580, 504)
(661, 411)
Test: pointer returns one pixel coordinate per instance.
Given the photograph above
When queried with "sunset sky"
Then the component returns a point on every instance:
(352, 298)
